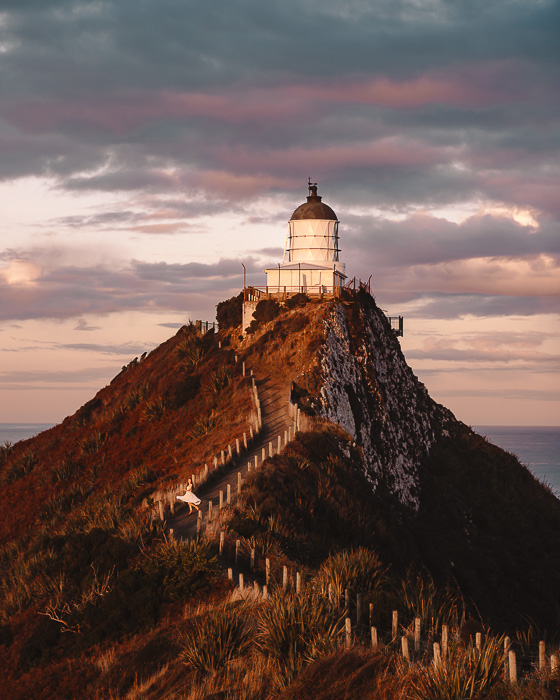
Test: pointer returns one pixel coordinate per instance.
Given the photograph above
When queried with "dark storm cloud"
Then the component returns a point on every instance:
(154, 95)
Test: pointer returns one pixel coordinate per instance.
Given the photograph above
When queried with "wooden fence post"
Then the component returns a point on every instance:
(290, 433)
(265, 592)
(256, 461)
(512, 667)
(374, 638)
(404, 645)
(238, 482)
(370, 613)
(222, 538)
(444, 640)
(215, 462)
(478, 640)
(240, 582)
(507, 642)
(416, 635)
(279, 444)
(199, 523)
(553, 664)
(230, 574)
(160, 505)
(263, 456)
(229, 453)
(251, 432)
(348, 627)
(237, 545)
(437, 655)
(221, 499)
(267, 570)
(542, 655)
(223, 456)
(237, 447)
(243, 370)
(395, 624)
(245, 440)
(171, 534)
(285, 577)
(298, 583)
(270, 449)
(249, 466)
(285, 438)
(209, 510)
(228, 493)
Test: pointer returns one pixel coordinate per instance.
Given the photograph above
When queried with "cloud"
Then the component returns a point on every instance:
(71, 291)
(83, 326)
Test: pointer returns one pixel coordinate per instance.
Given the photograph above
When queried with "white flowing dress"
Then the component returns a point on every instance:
(189, 497)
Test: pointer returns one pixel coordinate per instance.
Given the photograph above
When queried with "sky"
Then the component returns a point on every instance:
(149, 147)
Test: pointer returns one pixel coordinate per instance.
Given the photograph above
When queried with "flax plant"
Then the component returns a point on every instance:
(293, 630)
(359, 569)
(217, 639)
(467, 674)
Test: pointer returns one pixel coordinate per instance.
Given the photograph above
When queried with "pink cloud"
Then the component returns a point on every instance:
(473, 86)
(387, 151)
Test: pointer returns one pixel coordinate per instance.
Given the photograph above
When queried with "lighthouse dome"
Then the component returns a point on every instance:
(314, 208)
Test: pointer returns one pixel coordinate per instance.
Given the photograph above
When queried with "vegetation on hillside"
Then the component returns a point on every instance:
(96, 600)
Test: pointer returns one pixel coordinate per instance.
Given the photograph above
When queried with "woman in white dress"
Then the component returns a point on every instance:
(190, 497)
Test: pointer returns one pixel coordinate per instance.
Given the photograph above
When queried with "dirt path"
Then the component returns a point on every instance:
(275, 421)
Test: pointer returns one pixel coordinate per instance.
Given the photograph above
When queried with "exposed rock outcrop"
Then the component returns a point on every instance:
(368, 389)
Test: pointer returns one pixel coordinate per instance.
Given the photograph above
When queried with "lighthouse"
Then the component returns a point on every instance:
(311, 262)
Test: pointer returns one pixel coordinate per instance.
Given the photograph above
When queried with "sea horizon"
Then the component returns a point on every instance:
(536, 446)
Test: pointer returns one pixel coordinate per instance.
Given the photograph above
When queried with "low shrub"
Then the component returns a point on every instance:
(186, 390)
(229, 312)
(297, 300)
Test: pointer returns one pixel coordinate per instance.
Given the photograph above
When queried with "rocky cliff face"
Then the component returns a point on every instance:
(368, 389)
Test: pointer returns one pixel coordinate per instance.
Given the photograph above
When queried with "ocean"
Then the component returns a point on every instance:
(536, 447)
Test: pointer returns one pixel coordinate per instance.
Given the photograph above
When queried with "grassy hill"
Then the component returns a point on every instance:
(96, 600)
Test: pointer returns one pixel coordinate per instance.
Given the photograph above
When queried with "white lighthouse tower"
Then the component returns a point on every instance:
(311, 261)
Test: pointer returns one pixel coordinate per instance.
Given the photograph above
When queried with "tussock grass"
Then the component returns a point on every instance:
(292, 630)
(19, 468)
(359, 569)
(92, 443)
(5, 451)
(203, 426)
(154, 409)
(468, 674)
(217, 638)
(418, 596)
(219, 379)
